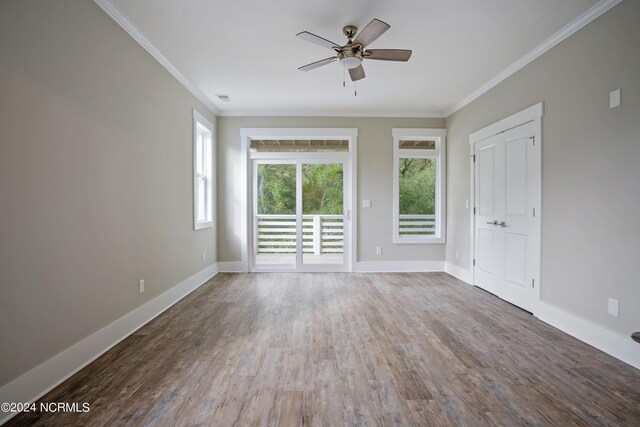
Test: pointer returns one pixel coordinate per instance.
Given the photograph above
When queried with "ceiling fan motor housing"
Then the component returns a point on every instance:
(351, 55)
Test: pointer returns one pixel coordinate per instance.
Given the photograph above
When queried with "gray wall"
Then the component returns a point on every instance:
(591, 173)
(95, 178)
(375, 167)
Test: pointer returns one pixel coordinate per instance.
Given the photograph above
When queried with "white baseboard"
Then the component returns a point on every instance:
(231, 267)
(458, 272)
(40, 380)
(611, 342)
(398, 266)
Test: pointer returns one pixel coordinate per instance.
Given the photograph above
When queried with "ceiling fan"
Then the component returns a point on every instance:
(353, 53)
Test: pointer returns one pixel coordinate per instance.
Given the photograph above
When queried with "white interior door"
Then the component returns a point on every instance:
(489, 206)
(504, 234)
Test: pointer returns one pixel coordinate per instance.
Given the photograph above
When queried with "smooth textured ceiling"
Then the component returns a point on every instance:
(248, 49)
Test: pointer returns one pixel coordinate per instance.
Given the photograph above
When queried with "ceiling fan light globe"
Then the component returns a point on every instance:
(351, 62)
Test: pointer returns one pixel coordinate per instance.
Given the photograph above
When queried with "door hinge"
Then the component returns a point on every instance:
(533, 283)
(473, 156)
(474, 261)
(534, 212)
(474, 210)
(533, 139)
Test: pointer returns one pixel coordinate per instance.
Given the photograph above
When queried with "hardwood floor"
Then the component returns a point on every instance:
(347, 349)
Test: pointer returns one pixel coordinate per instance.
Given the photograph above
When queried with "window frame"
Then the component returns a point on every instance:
(209, 175)
(439, 155)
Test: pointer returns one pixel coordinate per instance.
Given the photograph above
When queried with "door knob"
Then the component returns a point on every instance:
(502, 224)
(493, 222)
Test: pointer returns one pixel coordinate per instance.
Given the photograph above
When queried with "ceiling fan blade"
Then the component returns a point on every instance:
(357, 73)
(318, 63)
(388, 54)
(310, 37)
(371, 32)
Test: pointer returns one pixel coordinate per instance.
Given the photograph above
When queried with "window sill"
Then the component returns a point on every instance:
(203, 225)
(418, 240)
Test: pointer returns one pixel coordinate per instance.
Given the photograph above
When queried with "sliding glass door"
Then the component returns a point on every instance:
(275, 214)
(299, 215)
(322, 213)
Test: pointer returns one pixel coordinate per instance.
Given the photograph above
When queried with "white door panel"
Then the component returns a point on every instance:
(503, 220)
(485, 261)
(515, 262)
(516, 177)
(486, 181)
(487, 175)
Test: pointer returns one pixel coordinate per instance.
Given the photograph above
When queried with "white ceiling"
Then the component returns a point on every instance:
(248, 49)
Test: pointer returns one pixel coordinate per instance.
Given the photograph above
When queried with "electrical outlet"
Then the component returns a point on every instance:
(366, 203)
(141, 286)
(204, 256)
(466, 204)
(457, 254)
(378, 250)
(614, 98)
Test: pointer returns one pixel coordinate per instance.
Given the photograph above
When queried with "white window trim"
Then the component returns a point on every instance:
(440, 155)
(203, 121)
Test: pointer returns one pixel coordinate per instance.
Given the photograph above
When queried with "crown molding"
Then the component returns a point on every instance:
(137, 35)
(571, 28)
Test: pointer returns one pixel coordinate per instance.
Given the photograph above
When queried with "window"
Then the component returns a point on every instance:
(202, 172)
(419, 187)
(298, 145)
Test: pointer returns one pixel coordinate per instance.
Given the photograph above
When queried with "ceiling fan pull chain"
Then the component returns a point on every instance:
(344, 70)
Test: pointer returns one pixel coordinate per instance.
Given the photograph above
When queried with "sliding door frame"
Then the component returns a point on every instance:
(350, 167)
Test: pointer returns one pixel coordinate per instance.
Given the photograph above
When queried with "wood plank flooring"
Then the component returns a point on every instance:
(341, 349)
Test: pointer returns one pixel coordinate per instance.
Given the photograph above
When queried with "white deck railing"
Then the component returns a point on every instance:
(420, 225)
(321, 234)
